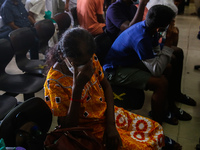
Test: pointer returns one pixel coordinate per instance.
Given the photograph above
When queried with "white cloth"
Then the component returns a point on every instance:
(37, 7)
(1, 22)
(54, 38)
(169, 3)
(158, 64)
(72, 3)
(49, 6)
(55, 6)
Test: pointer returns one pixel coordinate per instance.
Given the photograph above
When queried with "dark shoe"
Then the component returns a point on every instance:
(197, 67)
(171, 144)
(193, 14)
(198, 35)
(182, 115)
(186, 100)
(169, 118)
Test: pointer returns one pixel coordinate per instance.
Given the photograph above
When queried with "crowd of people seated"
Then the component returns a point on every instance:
(144, 55)
(121, 15)
(130, 55)
(16, 14)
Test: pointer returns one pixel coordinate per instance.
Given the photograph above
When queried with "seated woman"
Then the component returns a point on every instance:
(79, 94)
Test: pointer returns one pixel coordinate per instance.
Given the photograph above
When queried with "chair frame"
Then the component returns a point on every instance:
(14, 84)
(33, 110)
(22, 40)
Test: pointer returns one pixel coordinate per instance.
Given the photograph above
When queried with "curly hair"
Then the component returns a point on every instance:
(159, 16)
(71, 44)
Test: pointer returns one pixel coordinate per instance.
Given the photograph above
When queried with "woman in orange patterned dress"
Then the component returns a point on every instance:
(79, 94)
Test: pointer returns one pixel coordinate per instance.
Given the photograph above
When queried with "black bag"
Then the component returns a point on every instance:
(75, 138)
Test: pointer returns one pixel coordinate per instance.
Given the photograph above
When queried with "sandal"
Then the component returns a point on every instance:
(171, 144)
(186, 100)
(182, 115)
(169, 118)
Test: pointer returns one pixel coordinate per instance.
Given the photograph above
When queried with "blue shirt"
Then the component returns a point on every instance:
(117, 13)
(1, 2)
(131, 46)
(15, 13)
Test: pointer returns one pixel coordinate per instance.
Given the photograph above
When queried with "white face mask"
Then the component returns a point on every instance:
(69, 65)
(164, 32)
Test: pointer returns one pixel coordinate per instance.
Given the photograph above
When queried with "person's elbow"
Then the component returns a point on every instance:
(124, 26)
(105, 84)
(100, 18)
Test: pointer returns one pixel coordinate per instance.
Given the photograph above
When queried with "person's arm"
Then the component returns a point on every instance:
(13, 26)
(100, 18)
(99, 11)
(111, 136)
(35, 9)
(110, 120)
(8, 18)
(72, 117)
(31, 18)
(67, 5)
(172, 34)
(80, 78)
(158, 64)
(138, 16)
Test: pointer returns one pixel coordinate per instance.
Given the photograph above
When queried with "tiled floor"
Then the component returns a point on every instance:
(186, 133)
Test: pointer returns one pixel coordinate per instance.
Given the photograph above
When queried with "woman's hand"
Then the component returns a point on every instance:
(111, 138)
(83, 74)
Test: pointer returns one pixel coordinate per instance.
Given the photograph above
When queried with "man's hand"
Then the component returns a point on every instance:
(172, 34)
(83, 74)
(13, 26)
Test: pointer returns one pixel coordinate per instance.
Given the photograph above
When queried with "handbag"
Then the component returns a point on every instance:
(74, 138)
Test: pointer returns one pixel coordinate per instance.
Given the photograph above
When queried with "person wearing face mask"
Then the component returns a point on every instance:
(137, 60)
(171, 28)
(172, 32)
(77, 91)
(121, 15)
